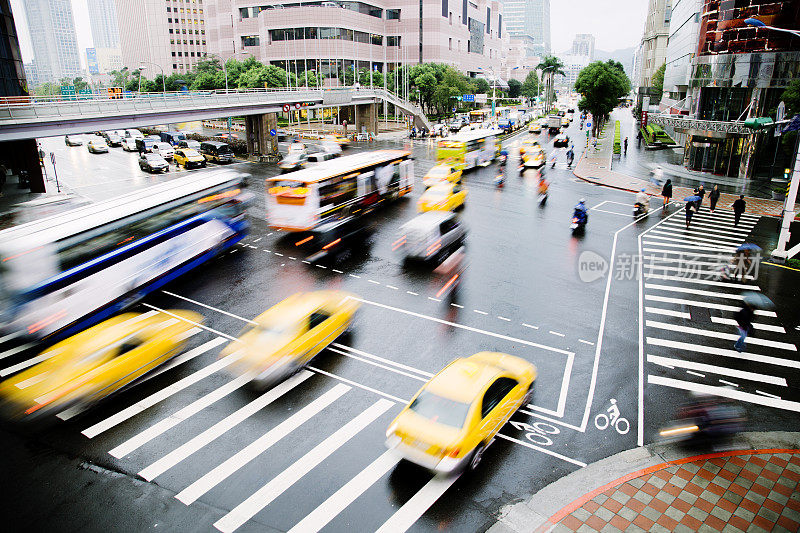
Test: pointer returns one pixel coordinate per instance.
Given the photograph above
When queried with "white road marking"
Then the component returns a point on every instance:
(456, 305)
(613, 213)
(710, 350)
(391, 287)
(683, 247)
(557, 333)
(16, 350)
(727, 383)
(280, 483)
(383, 360)
(379, 365)
(720, 335)
(434, 299)
(693, 291)
(320, 266)
(667, 312)
(256, 240)
(709, 229)
(683, 255)
(350, 491)
(229, 422)
(725, 392)
(586, 342)
(713, 239)
(504, 318)
(695, 373)
(412, 293)
(224, 470)
(337, 271)
(309, 262)
(292, 258)
(354, 276)
(682, 243)
(173, 315)
(278, 254)
(373, 281)
(530, 326)
(732, 322)
(768, 394)
(173, 420)
(695, 279)
(416, 506)
(206, 306)
(480, 312)
(698, 303)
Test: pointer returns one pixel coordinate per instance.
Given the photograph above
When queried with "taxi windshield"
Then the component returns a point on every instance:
(437, 192)
(440, 410)
(439, 171)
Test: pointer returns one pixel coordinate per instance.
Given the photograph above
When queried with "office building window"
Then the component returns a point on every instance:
(180, 54)
(394, 14)
(173, 54)
(393, 40)
(250, 40)
(169, 9)
(444, 8)
(170, 30)
(499, 26)
(174, 66)
(464, 12)
(450, 43)
(489, 20)
(169, 19)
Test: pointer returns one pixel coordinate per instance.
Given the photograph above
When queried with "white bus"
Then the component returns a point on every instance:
(63, 273)
(469, 149)
(347, 186)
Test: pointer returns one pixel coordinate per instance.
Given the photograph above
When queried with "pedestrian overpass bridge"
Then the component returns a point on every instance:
(32, 117)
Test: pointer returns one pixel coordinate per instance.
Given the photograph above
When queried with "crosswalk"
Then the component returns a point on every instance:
(688, 315)
(210, 439)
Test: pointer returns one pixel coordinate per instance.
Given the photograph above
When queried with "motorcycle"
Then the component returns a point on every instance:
(502, 159)
(579, 219)
(413, 134)
(500, 181)
(639, 209)
(704, 419)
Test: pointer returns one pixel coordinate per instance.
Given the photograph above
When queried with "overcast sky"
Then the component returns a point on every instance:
(614, 23)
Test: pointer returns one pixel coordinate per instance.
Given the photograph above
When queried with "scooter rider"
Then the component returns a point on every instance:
(581, 212)
(643, 199)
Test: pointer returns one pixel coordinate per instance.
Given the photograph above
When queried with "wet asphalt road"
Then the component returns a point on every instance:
(188, 441)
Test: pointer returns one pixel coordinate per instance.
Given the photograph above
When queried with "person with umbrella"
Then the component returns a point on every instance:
(744, 317)
(743, 260)
(690, 208)
(666, 192)
(701, 193)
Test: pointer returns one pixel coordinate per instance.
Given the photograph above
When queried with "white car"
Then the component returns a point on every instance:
(331, 147)
(97, 146)
(133, 133)
(165, 150)
(129, 144)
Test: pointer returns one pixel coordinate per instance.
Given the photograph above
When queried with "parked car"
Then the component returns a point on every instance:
(97, 146)
(73, 140)
(189, 158)
(218, 152)
(189, 143)
(134, 134)
(172, 137)
(165, 150)
(153, 163)
(129, 144)
(112, 139)
(293, 161)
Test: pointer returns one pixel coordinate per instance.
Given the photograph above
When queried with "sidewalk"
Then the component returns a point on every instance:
(596, 166)
(663, 488)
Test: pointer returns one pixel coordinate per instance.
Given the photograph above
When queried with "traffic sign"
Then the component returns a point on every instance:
(273, 132)
(469, 98)
(286, 108)
(297, 106)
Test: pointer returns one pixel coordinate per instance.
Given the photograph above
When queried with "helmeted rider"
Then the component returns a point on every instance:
(643, 199)
(580, 210)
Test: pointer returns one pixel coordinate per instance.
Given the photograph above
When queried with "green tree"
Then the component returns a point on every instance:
(791, 98)
(48, 89)
(616, 64)
(530, 87)
(551, 67)
(481, 86)
(208, 80)
(263, 76)
(80, 84)
(601, 86)
(120, 78)
(658, 81)
(514, 88)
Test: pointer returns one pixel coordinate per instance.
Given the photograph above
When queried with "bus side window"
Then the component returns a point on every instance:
(366, 183)
(395, 174)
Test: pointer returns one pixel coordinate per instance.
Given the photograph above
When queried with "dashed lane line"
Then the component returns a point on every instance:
(557, 333)
(480, 312)
(456, 305)
(586, 342)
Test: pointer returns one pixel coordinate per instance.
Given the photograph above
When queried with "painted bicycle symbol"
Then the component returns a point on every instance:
(537, 432)
(603, 420)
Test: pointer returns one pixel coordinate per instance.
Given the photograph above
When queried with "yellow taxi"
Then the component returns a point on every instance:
(289, 334)
(528, 144)
(442, 172)
(338, 138)
(87, 367)
(535, 127)
(564, 122)
(444, 196)
(533, 157)
(455, 416)
(189, 157)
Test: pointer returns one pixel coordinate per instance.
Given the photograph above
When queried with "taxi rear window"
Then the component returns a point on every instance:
(440, 410)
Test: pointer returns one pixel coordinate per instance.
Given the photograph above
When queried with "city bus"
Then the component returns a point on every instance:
(63, 273)
(347, 186)
(469, 149)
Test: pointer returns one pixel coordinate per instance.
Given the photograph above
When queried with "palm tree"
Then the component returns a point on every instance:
(550, 66)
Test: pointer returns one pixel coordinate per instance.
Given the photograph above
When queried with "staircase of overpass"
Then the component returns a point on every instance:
(34, 116)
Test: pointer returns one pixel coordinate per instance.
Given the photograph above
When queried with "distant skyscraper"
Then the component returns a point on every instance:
(55, 44)
(529, 21)
(103, 19)
(583, 45)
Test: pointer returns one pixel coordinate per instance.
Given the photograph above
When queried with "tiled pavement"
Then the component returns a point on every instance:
(594, 166)
(751, 491)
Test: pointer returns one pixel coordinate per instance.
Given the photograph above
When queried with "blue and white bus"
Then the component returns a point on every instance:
(65, 272)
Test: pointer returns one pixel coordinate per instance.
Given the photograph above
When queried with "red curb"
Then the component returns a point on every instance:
(571, 507)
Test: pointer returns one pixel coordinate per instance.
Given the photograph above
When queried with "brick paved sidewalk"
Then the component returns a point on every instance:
(751, 490)
(594, 167)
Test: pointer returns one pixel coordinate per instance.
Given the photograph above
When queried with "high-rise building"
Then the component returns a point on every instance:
(103, 20)
(169, 34)
(528, 21)
(55, 44)
(334, 36)
(681, 48)
(653, 45)
(583, 45)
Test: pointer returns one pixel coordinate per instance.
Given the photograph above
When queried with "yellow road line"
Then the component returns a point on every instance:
(781, 266)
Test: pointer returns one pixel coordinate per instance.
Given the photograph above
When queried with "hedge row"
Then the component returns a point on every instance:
(617, 138)
(655, 134)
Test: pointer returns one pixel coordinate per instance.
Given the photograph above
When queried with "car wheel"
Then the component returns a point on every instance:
(475, 458)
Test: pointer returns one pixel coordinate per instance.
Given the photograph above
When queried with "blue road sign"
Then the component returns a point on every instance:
(469, 97)
(273, 132)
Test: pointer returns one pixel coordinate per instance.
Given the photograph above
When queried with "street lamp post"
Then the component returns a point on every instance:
(780, 253)
(163, 78)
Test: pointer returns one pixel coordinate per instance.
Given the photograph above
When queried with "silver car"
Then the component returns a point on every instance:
(430, 236)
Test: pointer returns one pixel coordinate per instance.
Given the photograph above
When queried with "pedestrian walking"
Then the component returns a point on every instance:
(666, 192)
(658, 176)
(625, 146)
(690, 209)
(639, 139)
(713, 197)
(701, 192)
(744, 323)
(738, 208)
